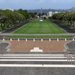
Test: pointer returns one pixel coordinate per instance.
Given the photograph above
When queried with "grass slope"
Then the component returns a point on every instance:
(37, 27)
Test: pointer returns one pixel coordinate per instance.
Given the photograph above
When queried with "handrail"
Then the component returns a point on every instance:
(9, 34)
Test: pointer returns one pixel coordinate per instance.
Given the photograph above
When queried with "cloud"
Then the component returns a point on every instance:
(37, 3)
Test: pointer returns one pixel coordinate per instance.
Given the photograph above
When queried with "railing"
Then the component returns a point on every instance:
(37, 36)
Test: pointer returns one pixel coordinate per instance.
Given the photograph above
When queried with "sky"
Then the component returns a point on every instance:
(36, 4)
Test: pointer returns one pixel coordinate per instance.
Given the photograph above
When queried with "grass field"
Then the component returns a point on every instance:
(37, 27)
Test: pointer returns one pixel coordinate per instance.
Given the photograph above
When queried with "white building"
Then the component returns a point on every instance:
(50, 13)
(56, 12)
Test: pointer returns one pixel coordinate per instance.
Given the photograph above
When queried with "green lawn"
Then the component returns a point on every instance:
(37, 27)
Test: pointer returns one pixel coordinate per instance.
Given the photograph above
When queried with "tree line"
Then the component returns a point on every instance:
(10, 19)
(67, 19)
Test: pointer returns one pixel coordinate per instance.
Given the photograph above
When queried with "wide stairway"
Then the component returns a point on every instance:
(37, 60)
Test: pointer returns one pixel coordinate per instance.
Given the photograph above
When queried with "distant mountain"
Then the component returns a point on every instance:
(53, 10)
(72, 9)
(45, 10)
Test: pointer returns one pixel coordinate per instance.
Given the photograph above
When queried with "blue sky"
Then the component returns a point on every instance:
(36, 4)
